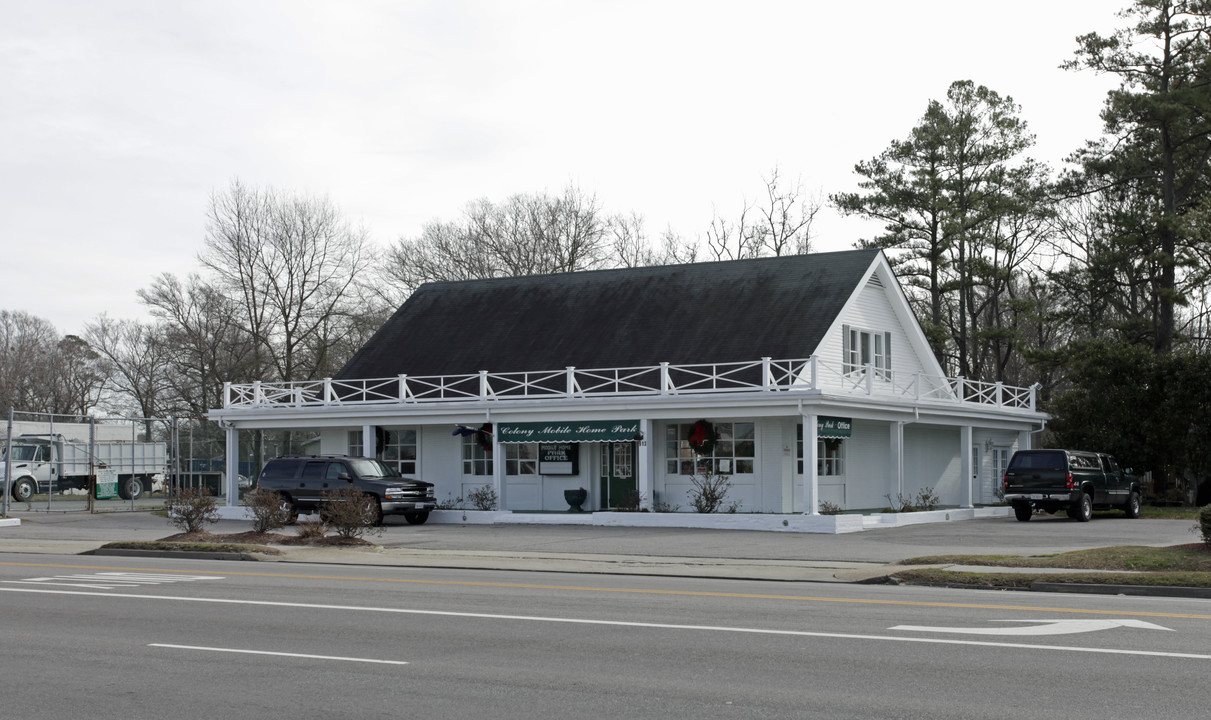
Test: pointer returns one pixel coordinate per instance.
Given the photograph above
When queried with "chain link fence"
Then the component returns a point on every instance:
(61, 463)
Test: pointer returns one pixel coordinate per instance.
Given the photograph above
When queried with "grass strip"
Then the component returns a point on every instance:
(938, 576)
(1195, 558)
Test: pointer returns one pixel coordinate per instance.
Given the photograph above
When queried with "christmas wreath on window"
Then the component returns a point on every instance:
(703, 437)
(833, 444)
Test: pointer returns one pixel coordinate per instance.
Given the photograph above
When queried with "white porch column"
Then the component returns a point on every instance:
(896, 464)
(967, 492)
(233, 467)
(1024, 439)
(498, 469)
(645, 469)
(811, 473)
(369, 442)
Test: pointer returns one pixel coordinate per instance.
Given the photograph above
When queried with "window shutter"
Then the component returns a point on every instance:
(845, 365)
(887, 351)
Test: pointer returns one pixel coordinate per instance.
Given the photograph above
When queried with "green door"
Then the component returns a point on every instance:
(619, 484)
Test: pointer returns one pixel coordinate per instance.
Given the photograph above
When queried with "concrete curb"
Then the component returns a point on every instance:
(767, 522)
(179, 554)
(10, 522)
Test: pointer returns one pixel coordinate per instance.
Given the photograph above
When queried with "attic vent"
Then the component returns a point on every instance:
(874, 280)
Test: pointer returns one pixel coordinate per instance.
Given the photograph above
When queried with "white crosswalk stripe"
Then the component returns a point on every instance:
(113, 580)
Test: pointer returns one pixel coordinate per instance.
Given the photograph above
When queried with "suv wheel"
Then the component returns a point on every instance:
(378, 512)
(416, 517)
(1132, 508)
(291, 510)
(1082, 511)
(1022, 511)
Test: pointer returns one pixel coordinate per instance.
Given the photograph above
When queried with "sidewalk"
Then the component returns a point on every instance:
(721, 554)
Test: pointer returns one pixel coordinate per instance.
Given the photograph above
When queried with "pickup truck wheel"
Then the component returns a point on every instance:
(23, 489)
(1132, 508)
(1082, 511)
(378, 512)
(416, 517)
(1022, 511)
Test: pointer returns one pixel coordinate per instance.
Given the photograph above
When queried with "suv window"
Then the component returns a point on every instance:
(314, 469)
(334, 471)
(280, 469)
(373, 468)
(1039, 460)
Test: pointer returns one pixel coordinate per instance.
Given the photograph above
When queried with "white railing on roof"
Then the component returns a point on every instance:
(765, 375)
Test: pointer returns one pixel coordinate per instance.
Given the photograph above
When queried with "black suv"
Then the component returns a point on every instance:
(302, 481)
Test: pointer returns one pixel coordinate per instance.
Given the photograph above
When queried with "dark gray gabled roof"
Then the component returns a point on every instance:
(717, 312)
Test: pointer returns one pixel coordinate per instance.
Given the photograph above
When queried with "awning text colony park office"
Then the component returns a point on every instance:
(804, 379)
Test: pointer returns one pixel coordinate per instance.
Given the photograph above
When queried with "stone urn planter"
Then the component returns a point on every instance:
(575, 499)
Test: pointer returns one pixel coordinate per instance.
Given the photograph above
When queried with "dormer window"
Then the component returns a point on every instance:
(861, 348)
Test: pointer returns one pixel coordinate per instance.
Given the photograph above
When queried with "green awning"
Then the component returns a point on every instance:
(574, 431)
(833, 427)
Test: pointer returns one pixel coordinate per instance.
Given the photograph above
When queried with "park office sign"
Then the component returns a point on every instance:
(565, 432)
(833, 427)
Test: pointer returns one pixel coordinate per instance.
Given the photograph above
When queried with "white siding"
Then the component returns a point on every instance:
(768, 492)
(871, 310)
(335, 441)
(867, 454)
(931, 460)
(865, 482)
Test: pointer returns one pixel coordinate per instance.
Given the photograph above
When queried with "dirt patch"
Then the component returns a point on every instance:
(255, 538)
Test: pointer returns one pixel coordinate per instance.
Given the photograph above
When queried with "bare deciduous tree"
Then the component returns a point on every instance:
(524, 235)
(139, 361)
(205, 336)
(292, 262)
(78, 375)
(778, 225)
(26, 345)
(43, 372)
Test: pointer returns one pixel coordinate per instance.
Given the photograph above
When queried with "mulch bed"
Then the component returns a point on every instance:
(255, 538)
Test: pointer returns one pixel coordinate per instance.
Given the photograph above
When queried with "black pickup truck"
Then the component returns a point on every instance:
(1069, 480)
(303, 480)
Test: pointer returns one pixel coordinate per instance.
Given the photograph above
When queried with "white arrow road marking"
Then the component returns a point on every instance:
(112, 580)
(1049, 627)
(277, 654)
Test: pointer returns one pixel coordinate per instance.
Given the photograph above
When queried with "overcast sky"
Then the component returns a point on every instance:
(119, 119)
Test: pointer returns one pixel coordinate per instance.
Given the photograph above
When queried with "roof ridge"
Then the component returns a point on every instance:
(651, 268)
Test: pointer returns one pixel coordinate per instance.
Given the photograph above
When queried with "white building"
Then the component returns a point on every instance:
(811, 369)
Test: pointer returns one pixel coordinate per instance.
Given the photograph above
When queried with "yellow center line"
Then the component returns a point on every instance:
(635, 591)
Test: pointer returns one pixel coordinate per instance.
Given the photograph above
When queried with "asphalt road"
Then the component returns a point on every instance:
(156, 638)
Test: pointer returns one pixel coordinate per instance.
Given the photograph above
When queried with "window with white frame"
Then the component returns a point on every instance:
(355, 443)
(476, 460)
(830, 454)
(399, 449)
(734, 454)
(521, 458)
(861, 348)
